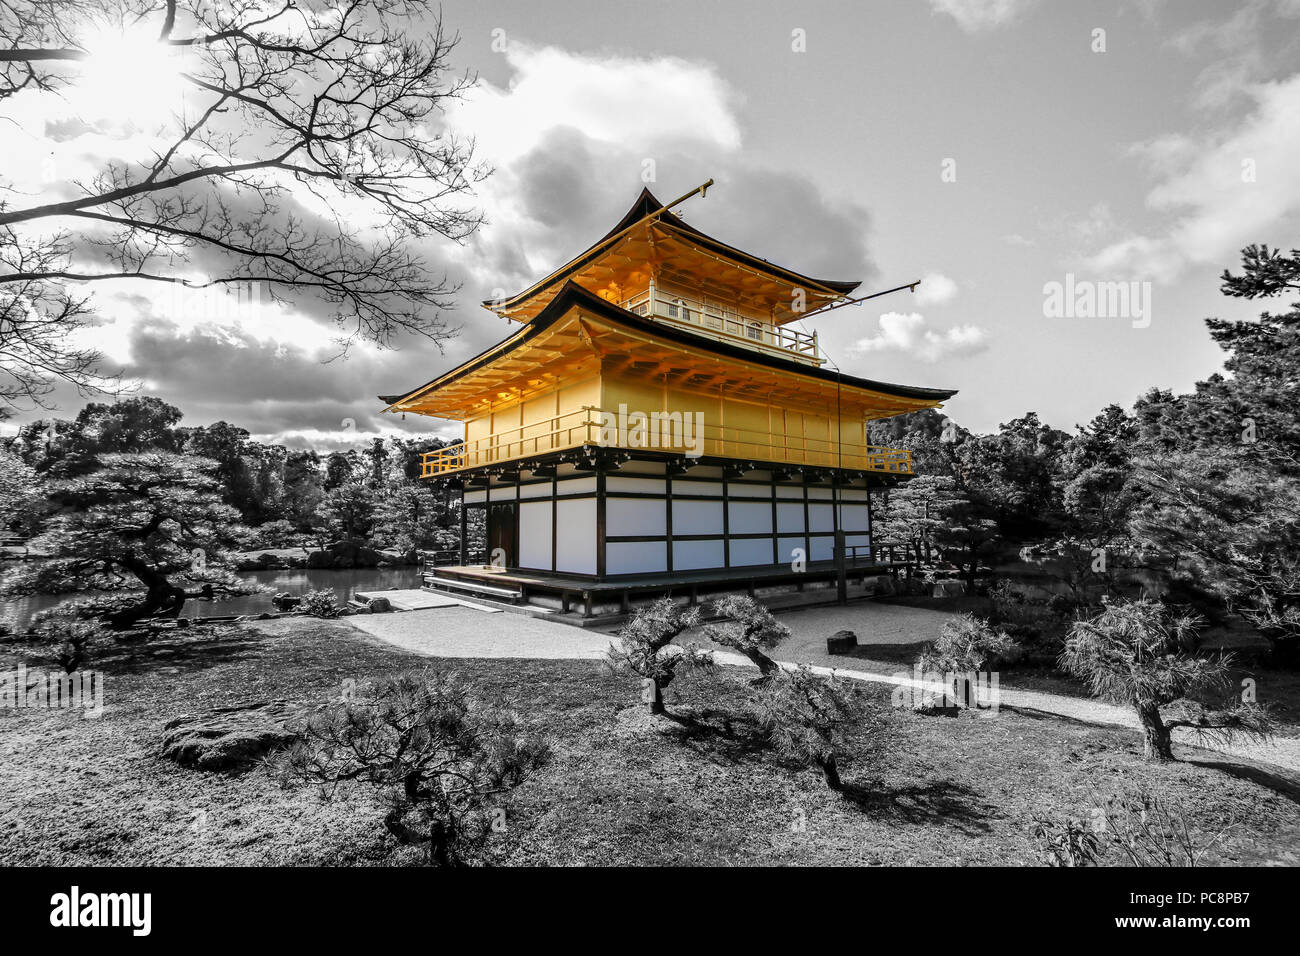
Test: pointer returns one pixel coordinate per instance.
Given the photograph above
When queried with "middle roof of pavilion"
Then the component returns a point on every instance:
(642, 244)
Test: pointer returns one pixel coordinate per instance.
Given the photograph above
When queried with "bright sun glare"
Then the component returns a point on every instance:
(129, 77)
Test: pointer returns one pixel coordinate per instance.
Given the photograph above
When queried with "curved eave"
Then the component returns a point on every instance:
(646, 204)
(573, 295)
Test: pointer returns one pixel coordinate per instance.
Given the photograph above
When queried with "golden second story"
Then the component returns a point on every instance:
(657, 266)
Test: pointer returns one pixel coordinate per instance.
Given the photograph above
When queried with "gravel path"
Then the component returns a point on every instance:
(469, 632)
(462, 632)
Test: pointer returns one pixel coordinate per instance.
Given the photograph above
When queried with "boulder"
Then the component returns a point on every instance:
(936, 708)
(265, 561)
(949, 589)
(284, 601)
(229, 738)
(351, 553)
(841, 642)
(379, 605)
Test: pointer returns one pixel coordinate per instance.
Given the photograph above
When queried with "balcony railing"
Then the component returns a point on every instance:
(718, 321)
(675, 434)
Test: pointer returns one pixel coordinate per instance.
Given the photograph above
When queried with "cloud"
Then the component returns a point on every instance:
(277, 390)
(935, 289)
(1222, 192)
(976, 15)
(573, 137)
(906, 332)
(557, 200)
(644, 102)
(1016, 239)
(1236, 51)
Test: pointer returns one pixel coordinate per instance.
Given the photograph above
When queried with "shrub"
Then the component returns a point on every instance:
(323, 603)
(1038, 625)
(647, 649)
(275, 534)
(1135, 826)
(808, 718)
(71, 642)
(749, 628)
(1067, 843)
(968, 643)
(91, 609)
(1143, 828)
(1141, 654)
(439, 758)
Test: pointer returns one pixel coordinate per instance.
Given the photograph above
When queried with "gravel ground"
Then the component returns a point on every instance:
(468, 632)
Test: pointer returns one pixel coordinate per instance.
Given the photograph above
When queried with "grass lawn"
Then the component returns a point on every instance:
(618, 791)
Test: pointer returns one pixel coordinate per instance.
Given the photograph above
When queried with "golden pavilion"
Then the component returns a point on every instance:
(659, 424)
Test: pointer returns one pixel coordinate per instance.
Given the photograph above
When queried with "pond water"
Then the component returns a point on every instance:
(344, 583)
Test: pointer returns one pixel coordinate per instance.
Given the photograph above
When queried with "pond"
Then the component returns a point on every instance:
(344, 583)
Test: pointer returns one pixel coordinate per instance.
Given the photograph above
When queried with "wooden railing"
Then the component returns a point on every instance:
(572, 430)
(903, 554)
(679, 434)
(717, 320)
(442, 559)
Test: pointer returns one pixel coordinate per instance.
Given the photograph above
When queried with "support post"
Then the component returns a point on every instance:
(464, 529)
(841, 571)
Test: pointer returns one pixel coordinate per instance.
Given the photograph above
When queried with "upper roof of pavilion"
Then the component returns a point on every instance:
(652, 241)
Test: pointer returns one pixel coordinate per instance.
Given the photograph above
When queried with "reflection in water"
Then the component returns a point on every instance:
(344, 583)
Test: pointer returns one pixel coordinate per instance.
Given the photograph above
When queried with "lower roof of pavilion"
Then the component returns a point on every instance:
(580, 334)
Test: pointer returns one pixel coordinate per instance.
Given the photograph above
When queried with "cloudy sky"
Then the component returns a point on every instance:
(989, 147)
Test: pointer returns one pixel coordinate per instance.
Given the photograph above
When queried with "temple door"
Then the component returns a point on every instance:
(502, 535)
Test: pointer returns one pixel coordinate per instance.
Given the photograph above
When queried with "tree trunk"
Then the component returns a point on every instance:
(439, 844)
(656, 697)
(831, 772)
(1157, 744)
(162, 598)
(766, 666)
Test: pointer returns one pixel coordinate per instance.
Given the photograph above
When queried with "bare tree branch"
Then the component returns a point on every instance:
(300, 107)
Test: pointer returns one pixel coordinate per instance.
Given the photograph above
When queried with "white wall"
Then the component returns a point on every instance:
(697, 517)
(749, 517)
(635, 557)
(635, 516)
(575, 535)
(751, 551)
(535, 535)
(694, 555)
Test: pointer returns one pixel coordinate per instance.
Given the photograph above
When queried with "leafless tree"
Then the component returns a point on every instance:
(289, 109)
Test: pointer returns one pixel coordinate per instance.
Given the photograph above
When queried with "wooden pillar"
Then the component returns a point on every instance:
(464, 527)
(600, 523)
